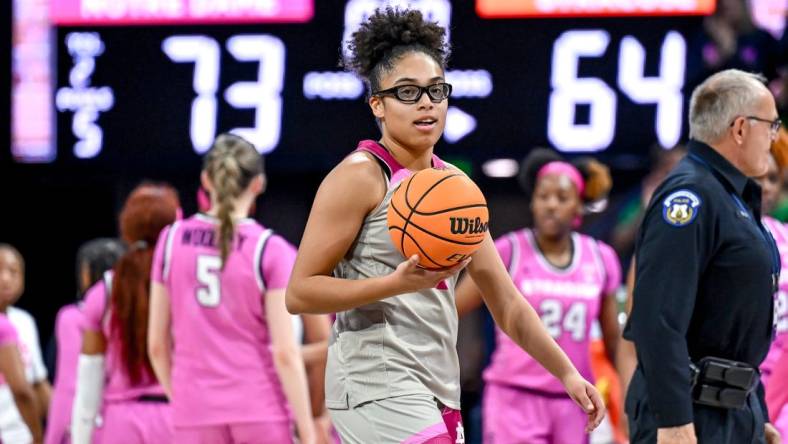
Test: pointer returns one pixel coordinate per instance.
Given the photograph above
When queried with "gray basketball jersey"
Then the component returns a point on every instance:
(403, 344)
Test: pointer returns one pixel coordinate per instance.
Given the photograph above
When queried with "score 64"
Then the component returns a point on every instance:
(264, 95)
(569, 90)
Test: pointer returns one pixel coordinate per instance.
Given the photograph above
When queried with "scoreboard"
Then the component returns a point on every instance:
(146, 85)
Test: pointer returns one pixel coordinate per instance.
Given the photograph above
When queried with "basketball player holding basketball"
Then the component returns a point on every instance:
(570, 278)
(232, 364)
(392, 373)
(135, 409)
(94, 259)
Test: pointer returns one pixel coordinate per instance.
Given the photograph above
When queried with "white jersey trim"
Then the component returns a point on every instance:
(108, 281)
(107, 278)
(258, 258)
(168, 251)
(577, 247)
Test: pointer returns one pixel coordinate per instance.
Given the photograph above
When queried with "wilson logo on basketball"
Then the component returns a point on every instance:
(439, 215)
(463, 225)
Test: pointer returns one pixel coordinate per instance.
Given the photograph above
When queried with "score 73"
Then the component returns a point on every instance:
(569, 90)
(263, 95)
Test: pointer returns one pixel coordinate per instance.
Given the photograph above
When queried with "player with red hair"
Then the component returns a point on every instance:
(114, 346)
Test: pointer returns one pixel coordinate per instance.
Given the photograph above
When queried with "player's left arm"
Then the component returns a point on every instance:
(159, 339)
(608, 321)
(608, 314)
(520, 322)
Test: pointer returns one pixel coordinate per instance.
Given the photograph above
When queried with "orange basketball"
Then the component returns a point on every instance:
(441, 215)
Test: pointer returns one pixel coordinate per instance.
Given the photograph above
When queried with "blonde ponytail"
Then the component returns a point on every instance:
(231, 164)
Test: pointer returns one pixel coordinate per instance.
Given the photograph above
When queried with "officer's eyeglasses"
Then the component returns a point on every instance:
(437, 92)
(774, 125)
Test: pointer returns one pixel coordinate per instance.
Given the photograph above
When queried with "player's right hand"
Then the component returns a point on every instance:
(684, 434)
(587, 397)
(409, 277)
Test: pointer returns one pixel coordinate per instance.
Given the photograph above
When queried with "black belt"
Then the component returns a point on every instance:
(722, 383)
(153, 398)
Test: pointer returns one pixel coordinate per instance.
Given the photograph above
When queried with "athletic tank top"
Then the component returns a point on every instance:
(401, 345)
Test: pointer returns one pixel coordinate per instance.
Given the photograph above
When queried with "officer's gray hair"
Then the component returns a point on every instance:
(721, 98)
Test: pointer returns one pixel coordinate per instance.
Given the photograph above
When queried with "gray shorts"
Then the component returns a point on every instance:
(407, 419)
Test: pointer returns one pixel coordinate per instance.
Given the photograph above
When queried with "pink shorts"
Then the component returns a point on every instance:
(137, 422)
(238, 433)
(513, 415)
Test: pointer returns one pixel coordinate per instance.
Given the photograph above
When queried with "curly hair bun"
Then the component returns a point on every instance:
(530, 166)
(597, 177)
(779, 149)
(387, 35)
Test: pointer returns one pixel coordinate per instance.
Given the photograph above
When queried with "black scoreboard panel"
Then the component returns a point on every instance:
(153, 96)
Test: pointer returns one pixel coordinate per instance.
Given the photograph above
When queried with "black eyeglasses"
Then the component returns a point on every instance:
(774, 125)
(437, 92)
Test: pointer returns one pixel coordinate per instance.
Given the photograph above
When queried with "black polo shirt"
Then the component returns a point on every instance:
(705, 281)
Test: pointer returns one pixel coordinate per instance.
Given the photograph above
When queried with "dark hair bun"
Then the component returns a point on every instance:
(596, 175)
(530, 166)
(389, 33)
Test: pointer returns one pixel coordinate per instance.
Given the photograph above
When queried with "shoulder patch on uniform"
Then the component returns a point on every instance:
(681, 207)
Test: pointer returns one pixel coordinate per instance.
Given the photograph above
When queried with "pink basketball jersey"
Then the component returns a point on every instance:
(780, 234)
(8, 336)
(223, 369)
(97, 312)
(568, 301)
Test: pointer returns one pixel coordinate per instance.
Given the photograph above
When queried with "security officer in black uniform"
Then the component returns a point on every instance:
(706, 274)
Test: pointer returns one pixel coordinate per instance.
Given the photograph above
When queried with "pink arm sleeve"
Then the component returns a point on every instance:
(157, 265)
(7, 332)
(68, 322)
(504, 246)
(278, 259)
(612, 268)
(94, 306)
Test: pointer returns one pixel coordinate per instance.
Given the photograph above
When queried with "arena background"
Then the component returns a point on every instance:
(54, 200)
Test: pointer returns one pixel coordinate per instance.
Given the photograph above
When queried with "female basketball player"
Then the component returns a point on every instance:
(312, 331)
(570, 278)
(771, 183)
(135, 409)
(218, 291)
(94, 258)
(12, 373)
(392, 368)
(12, 286)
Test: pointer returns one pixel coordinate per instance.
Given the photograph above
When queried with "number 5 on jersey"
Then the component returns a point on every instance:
(209, 294)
